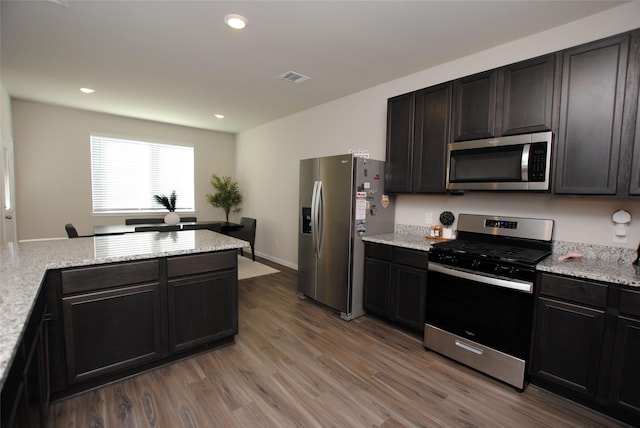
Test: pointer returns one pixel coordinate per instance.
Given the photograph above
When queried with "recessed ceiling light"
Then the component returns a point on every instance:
(235, 21)
(87, 90)
(219, 116)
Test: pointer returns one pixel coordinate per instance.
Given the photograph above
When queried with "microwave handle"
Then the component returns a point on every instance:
(524, 163)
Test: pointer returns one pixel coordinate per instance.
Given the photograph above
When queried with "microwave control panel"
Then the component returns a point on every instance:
(538, 162)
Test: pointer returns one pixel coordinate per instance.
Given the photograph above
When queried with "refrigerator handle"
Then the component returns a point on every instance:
(320, 221)
(314, 217)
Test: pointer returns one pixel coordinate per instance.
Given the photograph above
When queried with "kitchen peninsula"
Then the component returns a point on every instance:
(111, 305)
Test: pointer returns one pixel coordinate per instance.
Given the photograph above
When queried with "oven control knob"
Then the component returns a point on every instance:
(503, 269)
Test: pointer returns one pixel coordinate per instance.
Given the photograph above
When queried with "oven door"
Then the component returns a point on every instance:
(470, 306)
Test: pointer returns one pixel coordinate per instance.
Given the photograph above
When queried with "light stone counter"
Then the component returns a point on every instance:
(416, 242)
(23, 267)
(406, 236)
(599, 262)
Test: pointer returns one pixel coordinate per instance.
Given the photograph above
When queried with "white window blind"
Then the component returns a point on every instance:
(125, 174)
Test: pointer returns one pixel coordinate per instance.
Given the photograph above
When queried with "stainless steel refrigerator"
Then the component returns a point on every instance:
(341, 199)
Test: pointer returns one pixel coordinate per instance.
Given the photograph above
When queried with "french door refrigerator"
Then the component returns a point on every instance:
(341, 199)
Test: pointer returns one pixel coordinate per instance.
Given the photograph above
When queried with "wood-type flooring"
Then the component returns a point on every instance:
(295, 363)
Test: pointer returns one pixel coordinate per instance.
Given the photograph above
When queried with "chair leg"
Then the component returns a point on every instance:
(253, 253)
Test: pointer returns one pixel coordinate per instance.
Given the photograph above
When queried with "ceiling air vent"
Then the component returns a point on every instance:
(294, 77)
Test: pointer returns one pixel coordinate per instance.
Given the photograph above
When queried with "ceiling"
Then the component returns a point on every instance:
(177, 62)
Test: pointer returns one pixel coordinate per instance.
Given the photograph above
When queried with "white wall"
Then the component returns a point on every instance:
(53, 168)
(267, 157)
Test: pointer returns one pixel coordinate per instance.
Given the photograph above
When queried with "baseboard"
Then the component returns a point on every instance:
(277, 260)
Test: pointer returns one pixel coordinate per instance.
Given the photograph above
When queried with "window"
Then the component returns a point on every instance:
(125, 174)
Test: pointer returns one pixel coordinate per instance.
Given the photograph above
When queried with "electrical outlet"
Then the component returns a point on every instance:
(428, 218)
(620, 239)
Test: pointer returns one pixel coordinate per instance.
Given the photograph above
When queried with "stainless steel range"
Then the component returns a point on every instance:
(479, 308)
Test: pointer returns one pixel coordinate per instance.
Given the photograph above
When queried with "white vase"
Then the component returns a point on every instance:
(172, 218)
(447, 233)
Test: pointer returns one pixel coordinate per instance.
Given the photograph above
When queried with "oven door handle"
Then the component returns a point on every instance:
(513, 284)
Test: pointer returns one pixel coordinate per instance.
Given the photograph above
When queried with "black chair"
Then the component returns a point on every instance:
(247, 233)
(137, 220)
(71, 230)
(73, 233)
(157, 228)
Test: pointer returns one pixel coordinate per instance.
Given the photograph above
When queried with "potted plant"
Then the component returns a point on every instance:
(447, 218)
(227, 195)
(170, 204)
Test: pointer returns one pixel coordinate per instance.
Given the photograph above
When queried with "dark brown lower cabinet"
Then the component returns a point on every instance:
(395, 284)
(195, 315)
(586, 344)
(25, 393)
(568, 345)
(115, 320)
(108, 331)
(625, 379)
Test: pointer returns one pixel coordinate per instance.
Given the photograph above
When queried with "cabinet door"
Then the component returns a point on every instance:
(202, 309)
(567, 345)
(626, 370)
(107, 331)
(408, 296)
(400, 114)
(474, 106)
(527, 96)
(431, 136)
(377, 281)
(591, 107)
(633, 101)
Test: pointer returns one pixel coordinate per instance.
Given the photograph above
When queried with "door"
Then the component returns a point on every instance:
(334, 237)
(306, 249)
(431, 136)
(99, 343)
(474, 106)
(202, 309)
(568, 345)
(8, 232)
(400, 114)
(591, 108)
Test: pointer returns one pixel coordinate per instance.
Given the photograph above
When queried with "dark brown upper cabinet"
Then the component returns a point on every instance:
(417, 137)
(527, 90)
(474, 106)
(631, 121)
(515, 99)
(591, 112)
(400, 112)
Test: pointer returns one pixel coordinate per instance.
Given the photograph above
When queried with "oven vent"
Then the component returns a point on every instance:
(294, 77)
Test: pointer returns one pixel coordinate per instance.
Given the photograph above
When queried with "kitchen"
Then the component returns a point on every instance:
(359, 118)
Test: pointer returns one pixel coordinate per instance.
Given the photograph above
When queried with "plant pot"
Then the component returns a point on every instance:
(447, 233)
(172, 218)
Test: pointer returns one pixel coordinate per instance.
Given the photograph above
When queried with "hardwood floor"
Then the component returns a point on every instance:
(297, 364)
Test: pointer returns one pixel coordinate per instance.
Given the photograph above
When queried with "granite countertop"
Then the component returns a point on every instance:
(23, 266)
(599, 262)
(405, 240)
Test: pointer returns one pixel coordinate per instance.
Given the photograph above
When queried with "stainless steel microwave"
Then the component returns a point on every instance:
(517, 162)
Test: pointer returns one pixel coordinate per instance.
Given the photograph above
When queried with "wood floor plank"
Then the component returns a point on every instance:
(297, 364)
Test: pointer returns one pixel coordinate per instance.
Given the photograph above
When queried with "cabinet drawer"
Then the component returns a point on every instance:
(408, 257)
(109, 276)
(630, 302)
(574, 290)
(378, 251)
(200, 263)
